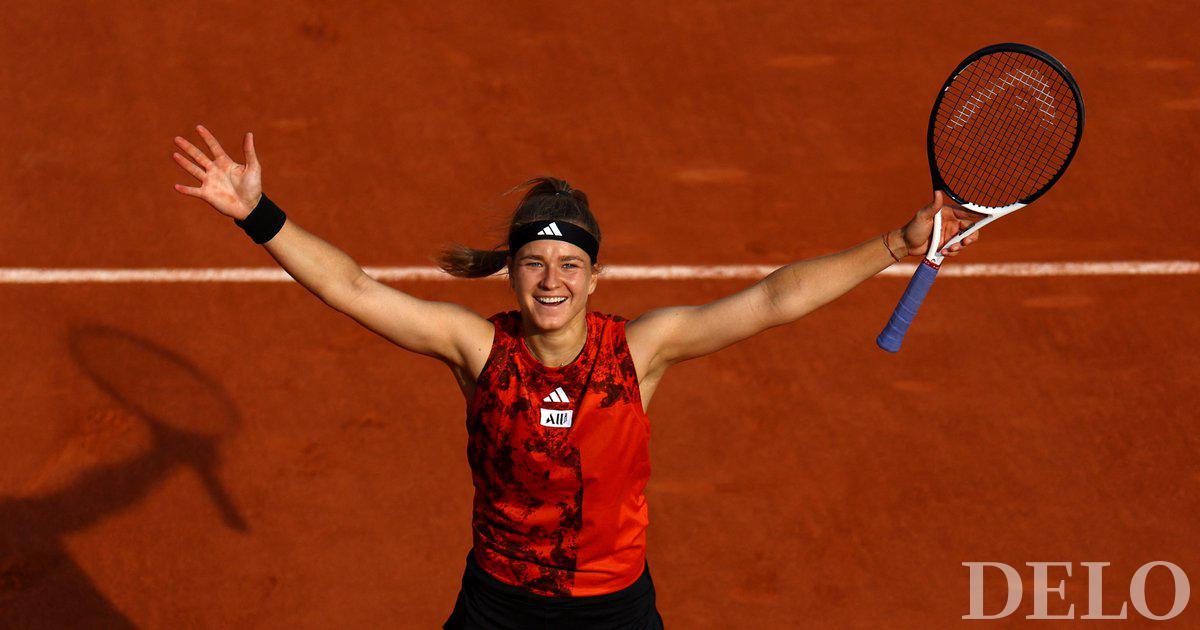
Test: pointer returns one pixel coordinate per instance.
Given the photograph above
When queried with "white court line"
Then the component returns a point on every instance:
(14, 275)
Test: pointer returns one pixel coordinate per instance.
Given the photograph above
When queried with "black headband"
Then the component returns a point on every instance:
(555, 231)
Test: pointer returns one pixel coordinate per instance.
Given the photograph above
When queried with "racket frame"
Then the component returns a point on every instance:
(893, 333)
(936, 254)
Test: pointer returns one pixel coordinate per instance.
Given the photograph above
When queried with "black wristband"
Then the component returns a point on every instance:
(264, 222)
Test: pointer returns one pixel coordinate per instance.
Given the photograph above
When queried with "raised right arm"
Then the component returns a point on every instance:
(444, 331)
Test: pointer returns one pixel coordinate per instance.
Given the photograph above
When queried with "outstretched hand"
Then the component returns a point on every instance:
(232, 188)
(955, 219)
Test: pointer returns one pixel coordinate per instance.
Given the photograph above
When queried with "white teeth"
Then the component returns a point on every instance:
(554, 300)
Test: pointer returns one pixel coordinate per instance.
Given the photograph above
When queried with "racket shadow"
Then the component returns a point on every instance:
(187, 413)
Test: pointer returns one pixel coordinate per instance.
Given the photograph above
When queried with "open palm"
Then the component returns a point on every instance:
(232, 188)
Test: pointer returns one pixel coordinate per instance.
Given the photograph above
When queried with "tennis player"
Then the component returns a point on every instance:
(558, 436)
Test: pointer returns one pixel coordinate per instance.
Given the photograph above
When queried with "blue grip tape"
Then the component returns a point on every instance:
(893, 334)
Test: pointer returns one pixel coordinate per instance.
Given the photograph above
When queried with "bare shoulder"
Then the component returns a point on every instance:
(468, 334)
(654, 322)
(475, 340)
(647, 333)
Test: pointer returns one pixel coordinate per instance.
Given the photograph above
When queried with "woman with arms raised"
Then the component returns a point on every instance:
(558, 436)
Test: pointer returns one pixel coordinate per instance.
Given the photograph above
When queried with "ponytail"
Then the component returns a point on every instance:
(461, 261)
(545, 198)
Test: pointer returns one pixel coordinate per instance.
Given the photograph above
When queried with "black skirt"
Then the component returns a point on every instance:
(485, 603)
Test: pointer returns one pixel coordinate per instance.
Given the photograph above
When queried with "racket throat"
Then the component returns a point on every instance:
(936, 254)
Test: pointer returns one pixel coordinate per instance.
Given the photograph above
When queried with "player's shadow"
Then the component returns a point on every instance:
(187, 414)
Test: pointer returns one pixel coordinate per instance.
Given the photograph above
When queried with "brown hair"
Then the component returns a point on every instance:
(539, 203)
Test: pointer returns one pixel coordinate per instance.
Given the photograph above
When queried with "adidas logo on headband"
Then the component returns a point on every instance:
(569, 232)
(550, 230)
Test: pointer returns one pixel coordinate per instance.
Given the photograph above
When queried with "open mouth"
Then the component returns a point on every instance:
(550, 301)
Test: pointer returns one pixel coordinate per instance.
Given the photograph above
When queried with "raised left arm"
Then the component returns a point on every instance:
(663, 337)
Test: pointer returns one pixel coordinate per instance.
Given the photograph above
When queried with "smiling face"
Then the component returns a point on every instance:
(552, 281)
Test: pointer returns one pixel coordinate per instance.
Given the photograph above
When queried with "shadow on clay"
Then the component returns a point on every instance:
(187, 414)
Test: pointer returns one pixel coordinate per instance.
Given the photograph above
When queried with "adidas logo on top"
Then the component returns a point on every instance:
(558, 395)
(557, 418)
(551, 230)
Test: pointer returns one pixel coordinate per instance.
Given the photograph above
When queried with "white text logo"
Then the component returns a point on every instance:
(1095, 591)
(556, 418)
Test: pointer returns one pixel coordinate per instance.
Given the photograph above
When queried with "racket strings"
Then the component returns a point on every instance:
(1004, 129)
(992, 131)
(994, 141)
(992, 138)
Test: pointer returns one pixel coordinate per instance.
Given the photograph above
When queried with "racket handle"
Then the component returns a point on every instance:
(893, 334)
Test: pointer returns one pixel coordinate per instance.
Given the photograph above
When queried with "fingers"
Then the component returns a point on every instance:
(970, 216)
(195, 153)
(212, 143)
(189, 166)
(961, 213)
(954, 249)
(190, 191)
(933, 208)
(248, 148)
(950, 229)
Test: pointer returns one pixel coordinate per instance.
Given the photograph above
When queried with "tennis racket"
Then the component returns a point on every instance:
(1003, 129)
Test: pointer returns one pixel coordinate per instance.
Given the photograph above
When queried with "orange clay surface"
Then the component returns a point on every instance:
(802, 478)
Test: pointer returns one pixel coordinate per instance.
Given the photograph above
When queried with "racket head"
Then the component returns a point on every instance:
(157, 384)
(1004, 127)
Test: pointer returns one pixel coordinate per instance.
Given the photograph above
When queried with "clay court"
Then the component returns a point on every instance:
(802, 479)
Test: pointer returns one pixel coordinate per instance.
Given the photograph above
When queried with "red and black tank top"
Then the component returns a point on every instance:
(560, 458)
